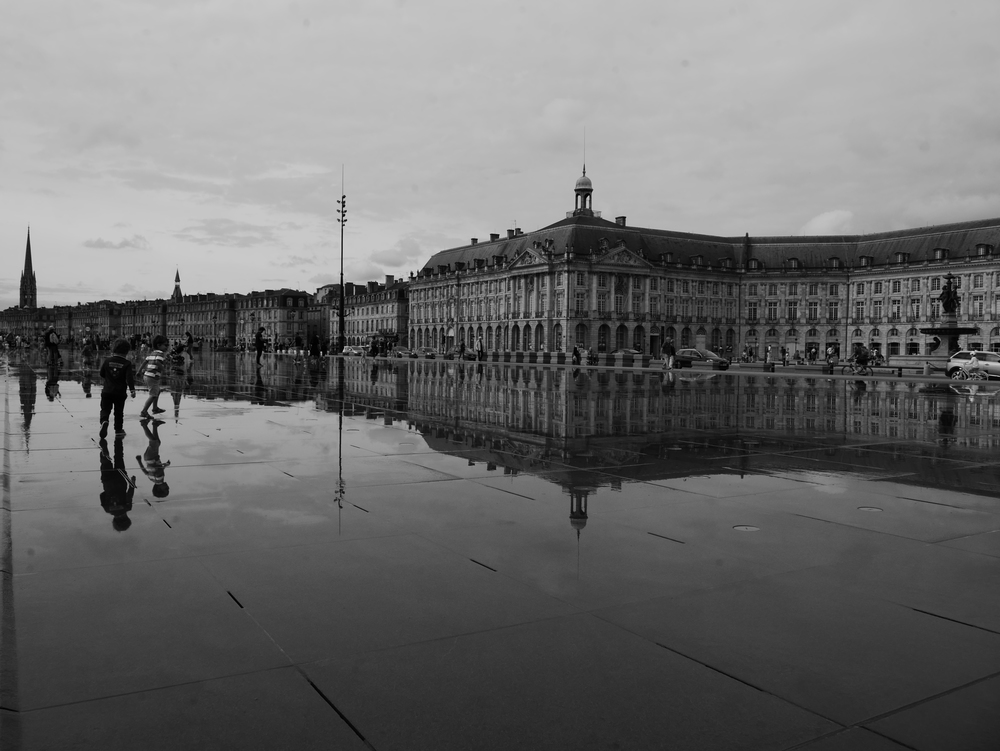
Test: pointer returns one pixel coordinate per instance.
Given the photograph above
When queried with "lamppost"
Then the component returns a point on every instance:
(341, 220)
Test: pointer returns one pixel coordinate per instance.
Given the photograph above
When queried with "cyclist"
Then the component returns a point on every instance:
(861, 356)
(972, 367)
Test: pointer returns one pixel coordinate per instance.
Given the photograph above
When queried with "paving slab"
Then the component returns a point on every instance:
(845, 656)
(576, 682)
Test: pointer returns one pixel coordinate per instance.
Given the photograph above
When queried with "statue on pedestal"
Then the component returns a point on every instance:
(949, 295)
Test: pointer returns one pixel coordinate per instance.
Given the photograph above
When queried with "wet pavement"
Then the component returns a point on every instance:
(417, 554)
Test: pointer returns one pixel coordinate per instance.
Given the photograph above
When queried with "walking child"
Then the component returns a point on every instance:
(152, 374)
(119, 381)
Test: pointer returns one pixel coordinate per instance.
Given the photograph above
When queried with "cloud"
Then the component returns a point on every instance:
(294, 261)
(227, 232)
(405, 250)
(836, 222)
(136, 242)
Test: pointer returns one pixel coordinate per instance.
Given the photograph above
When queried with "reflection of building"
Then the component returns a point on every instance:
(588, 282)
(646, 426)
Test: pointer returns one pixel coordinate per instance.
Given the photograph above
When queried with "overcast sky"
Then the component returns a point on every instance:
(142, 137)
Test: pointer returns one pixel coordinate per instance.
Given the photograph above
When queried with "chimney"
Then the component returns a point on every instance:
(389, 280)
(474, 240)
(372, 287)
(517, 231)
(494, 236)
(510, 234)
(620, 221)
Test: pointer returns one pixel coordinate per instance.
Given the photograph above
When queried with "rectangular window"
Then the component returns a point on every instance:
(670, 285)
(636, 282)
(935, 284)
(752, 290)
(772, 310)
(700, 309)
(792, 310)
(619, 304)
(701, 288)
(833, 311)
(752, 311)
(813, 310)
(685, 287)
(653, 284)
(896, 286)
(731, 288)
(895, 310)
(977, 305)
(813, 289)
(877, 309)
(602, 280)
(834, 290)
(654, 305)
(715, 288)
(977, 281)
(793, 288)
(602, 302)
(668, 306)
(859, 288)
(876, 288)
(579, 300)
(580, 279)
(915, 307)
(914, 285)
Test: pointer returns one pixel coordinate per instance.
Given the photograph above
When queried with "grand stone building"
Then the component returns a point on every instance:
(588, 282)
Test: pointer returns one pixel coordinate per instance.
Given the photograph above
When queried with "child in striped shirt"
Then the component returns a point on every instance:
(152, 372)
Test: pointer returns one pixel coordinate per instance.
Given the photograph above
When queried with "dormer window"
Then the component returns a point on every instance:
(668, 257)
(793, 263)
(902, 257)
(940, 254)
(866, 260)
(983, 250)
(726, 263)
(754, 264)
(835, 263)
(696, 260)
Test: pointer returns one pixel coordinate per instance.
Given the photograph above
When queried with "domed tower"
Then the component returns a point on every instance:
(584, 194)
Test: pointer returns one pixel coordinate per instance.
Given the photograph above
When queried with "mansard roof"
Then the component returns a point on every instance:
(584, 235)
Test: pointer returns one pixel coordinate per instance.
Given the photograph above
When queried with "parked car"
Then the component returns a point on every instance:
(627, 351)
(701, 358)
(453, 354)
(354, 349)
(988, 362)
(402, 352)
(427, 352)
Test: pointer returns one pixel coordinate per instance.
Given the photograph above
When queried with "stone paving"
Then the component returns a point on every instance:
(418, 555)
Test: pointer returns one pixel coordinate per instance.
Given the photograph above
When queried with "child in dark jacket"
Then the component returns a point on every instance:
(119, 380)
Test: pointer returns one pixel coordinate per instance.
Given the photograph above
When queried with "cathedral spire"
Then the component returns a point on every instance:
(29, 288)
(177, 296)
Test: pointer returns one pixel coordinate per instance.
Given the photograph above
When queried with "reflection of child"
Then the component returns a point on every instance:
(153, 469)
(119, 381)
(118, 490)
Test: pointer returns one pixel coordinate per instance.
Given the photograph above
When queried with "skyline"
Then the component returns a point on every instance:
(209, 137)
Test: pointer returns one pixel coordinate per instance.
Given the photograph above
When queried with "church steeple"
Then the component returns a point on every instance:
(29, 288)
(177, 296)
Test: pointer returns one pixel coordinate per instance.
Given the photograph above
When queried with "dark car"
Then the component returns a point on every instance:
(402, 352)
(454, 353)
(427, 352)
(700, 358)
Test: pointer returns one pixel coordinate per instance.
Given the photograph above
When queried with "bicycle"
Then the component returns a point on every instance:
(852, 367)
(973, 374)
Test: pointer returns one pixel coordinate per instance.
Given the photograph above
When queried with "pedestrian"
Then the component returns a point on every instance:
(51, 342)
(480, 352)
(576, 356)
(119, 381)
(784, 356)
(668, 354)
(258, 344)
(314, 347)
(152, 372)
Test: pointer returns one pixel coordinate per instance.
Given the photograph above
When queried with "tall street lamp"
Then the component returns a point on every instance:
(342, 220)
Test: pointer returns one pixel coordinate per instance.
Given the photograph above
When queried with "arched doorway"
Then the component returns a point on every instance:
(489, 338)
(621, 337)
(515, 338)
(539, 338)
(603, 337)
(685, 337)
(639, 338)
(655, 342)
(716, 340)
(582, 336)
(557, 342)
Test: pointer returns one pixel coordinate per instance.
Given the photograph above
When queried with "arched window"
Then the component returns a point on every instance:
(771, 332)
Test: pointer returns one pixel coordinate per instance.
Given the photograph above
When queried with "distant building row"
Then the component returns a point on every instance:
(591, 283)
